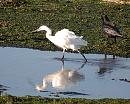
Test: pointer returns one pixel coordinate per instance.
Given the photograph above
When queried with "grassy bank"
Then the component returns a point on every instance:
(19, 18)
(39, 100)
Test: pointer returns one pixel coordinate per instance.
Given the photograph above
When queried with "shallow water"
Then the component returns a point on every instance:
(23, 70)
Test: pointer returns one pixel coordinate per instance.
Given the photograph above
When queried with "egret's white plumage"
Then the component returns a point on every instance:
(64, 39)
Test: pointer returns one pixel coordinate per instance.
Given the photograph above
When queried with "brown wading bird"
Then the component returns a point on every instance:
(110, 29)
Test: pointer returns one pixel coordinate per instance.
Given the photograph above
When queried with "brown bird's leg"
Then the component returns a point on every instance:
(115, 43)
(105, 56)
(115, 39)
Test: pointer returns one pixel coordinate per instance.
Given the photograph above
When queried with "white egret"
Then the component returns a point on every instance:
(64, 39)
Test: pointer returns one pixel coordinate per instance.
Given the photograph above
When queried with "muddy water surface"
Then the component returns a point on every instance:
(33, 72)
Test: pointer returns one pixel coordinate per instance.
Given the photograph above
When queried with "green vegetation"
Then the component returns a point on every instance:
(19, 17)
(39, 100)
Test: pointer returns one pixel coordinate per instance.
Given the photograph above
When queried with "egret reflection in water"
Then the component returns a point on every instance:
(62, 78)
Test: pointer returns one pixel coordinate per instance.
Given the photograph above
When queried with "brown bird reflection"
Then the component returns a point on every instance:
(61, 79)
(106, 66)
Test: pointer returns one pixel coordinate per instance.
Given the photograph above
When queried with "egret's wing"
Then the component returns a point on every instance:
(69, 40)
(65, 33)
(77, 41)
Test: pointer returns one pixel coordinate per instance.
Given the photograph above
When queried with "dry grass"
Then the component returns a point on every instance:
(118, 1)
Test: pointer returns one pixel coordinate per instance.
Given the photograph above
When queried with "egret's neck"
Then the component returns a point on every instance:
(48, 32)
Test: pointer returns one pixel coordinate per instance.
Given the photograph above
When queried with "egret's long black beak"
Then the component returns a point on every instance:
(35, 31)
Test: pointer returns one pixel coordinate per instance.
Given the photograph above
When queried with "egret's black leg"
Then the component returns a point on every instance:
(62, 57)
(63, 54)
(83, 56)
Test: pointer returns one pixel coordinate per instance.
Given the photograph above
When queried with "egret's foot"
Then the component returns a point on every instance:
(85, 60)
(61, 59)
